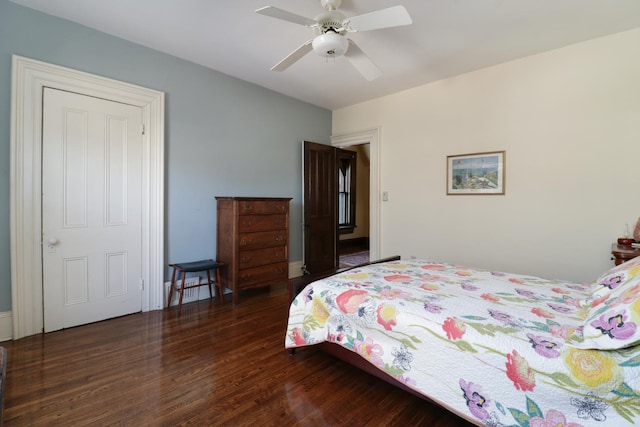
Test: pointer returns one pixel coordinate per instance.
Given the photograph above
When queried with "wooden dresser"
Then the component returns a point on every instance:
(252, 241)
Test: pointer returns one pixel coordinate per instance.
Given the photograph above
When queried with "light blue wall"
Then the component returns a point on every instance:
(224, 136)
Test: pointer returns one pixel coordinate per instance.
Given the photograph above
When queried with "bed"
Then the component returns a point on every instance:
(497, 349)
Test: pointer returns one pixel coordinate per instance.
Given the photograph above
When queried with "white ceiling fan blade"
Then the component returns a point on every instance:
(361, 62)
(293, 56)
(275, 12)
(383, 18)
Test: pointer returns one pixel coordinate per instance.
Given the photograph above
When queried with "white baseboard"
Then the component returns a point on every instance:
(6, 317)
(197, 294)
(6, 326)
(190, 295)
(295, 269)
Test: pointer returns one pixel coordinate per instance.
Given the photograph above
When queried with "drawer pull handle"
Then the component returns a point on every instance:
(247, 259)
(245, 278)
(247, 207)
(279, 238)
(246, 242)
(247, 223)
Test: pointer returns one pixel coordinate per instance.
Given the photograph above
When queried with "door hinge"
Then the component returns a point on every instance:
(141, 284)
(142, 129)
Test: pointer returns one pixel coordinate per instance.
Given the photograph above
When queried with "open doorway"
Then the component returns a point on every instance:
(353, 206)
(319, 226)
(371, 137)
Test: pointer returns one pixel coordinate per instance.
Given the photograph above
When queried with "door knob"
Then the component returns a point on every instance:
(52, 241)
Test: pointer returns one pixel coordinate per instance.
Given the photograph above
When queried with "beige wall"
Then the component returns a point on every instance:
(569, 121)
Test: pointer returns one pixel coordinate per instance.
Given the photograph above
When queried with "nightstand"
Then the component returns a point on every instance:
(622, 253)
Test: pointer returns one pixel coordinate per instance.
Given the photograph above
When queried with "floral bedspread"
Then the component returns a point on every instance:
(496, 348)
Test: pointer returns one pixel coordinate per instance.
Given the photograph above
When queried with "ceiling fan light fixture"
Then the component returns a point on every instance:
(330, 44)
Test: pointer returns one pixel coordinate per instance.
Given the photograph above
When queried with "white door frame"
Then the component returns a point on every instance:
(371, 137)
(29, 77)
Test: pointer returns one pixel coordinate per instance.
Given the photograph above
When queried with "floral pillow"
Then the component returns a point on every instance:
(612, 279)
(613, 318)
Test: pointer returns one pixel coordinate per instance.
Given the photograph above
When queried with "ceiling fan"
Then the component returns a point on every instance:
(331, 28)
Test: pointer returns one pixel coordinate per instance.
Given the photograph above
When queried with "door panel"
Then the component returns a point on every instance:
(91, 209)
(320, 211)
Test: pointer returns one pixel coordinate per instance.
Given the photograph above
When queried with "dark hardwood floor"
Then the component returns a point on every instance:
(214, 365)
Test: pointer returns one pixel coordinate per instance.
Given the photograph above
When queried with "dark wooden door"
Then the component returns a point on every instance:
(320, 209)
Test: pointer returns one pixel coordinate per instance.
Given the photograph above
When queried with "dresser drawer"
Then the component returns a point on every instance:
(267, 273)
(267, 239)
(247, 259)
(262, 207)
(249, 223)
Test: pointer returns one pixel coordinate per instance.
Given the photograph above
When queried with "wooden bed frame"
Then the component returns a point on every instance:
(298, 284)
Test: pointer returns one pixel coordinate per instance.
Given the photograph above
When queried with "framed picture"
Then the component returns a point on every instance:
(478, 173)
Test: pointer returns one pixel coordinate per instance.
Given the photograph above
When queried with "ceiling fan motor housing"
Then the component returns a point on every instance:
(328, 21)
(331, 4)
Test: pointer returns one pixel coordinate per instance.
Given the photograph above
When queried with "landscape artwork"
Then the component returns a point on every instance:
(478, 173)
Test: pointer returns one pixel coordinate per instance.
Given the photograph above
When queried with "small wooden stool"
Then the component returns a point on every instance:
(193, 267)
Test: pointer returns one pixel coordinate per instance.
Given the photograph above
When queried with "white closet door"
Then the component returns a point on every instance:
(91, 209)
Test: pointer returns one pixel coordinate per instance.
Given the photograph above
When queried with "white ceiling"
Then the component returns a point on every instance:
(447, 38)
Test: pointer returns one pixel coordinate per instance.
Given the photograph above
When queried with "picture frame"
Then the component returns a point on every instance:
(476, 173)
